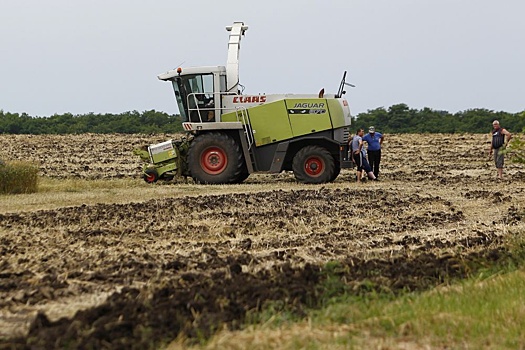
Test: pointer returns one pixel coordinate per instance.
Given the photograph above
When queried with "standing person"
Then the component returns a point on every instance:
(375, 141)
(359, 156)
(498, 144)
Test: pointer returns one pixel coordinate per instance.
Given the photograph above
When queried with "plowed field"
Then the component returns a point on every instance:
(135, 273)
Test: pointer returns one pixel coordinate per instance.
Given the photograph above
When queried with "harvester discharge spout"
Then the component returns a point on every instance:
(234, 46)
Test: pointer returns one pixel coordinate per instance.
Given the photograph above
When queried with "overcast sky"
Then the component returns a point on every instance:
(103, 56)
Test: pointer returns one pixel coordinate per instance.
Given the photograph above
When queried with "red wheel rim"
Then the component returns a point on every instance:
(314, 166)
(150, 178)
(214, 160)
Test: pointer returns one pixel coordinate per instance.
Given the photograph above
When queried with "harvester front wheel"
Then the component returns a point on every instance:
(313, 164)
(242, 176)
(215, 158)
(337, 170)
(151, 176)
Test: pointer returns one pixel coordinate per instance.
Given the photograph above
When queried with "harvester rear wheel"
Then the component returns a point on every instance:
(151, 176)
(313, 164)
(215, 158)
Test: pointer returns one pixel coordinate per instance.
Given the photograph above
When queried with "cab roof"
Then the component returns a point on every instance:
(191, 70)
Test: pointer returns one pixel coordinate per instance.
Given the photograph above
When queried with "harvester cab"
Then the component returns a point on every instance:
(233, 135)
(199, 90)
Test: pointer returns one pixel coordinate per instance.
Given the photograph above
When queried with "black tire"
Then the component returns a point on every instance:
(337, 170)
(313, 164)
(242, 176)
(151, 176)
(215, 158)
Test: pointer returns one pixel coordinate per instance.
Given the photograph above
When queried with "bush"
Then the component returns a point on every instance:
(18, 177)
(517, 150)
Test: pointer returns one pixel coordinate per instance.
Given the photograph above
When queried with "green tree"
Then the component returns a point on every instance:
(398, 118)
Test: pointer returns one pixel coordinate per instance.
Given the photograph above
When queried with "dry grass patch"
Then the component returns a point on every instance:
(18, 177)
(55, 193)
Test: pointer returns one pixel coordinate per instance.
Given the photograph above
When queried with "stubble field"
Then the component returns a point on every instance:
(99, 259)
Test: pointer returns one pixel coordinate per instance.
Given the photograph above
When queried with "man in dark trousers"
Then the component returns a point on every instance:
(375, 141)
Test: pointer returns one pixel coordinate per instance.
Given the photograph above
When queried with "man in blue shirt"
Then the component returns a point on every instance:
(375, 141)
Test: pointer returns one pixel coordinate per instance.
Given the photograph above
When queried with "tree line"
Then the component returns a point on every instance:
(126, 123)
(398, 118)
